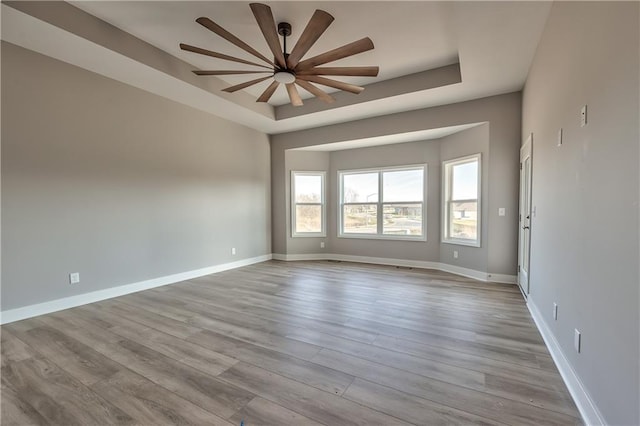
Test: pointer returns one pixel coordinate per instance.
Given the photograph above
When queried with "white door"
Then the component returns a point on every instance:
(524, 239)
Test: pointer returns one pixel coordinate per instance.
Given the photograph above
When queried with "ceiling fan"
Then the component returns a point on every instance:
(289, 68)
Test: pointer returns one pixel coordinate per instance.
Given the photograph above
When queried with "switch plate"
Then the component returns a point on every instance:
(583, 116)
(233, 251)
(577, 337)
(322, 244)
(560, 137)
(455, 254)
(502, 211)
(555, 311)
(74, 278)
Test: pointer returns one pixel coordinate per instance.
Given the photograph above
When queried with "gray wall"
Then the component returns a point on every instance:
(584, 248)
(305, 161)
(427, 152)
(118, 184)
(472, 141)
(430, 152)
(503, 113)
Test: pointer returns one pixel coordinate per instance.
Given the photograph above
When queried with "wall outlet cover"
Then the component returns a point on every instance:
(583, 116)
(74, 278)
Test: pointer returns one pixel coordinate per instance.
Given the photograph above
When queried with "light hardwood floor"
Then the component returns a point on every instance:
(299, 343)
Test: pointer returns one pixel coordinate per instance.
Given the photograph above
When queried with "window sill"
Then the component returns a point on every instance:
(421, 239)
(462, 243)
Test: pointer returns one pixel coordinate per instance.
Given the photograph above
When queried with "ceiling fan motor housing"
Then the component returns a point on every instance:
(284, 29)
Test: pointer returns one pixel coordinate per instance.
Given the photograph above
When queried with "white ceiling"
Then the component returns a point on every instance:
(494, 43)
(408, 36)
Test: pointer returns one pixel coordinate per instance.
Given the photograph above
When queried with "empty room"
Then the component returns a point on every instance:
(320, 213)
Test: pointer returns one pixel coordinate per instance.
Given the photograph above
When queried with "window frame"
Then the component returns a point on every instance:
(322, 203)
(447, 190)
(379, 235)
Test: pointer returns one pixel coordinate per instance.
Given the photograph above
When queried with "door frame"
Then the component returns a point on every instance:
(524, 218)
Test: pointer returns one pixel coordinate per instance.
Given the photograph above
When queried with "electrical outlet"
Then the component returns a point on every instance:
(322, 244)
(455, 254)
(577, 340)
(502, 211)
(583, 116)
(233, 251)
(74, 278)
(555, 311)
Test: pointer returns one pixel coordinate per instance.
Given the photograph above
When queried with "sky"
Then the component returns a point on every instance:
(398, 186)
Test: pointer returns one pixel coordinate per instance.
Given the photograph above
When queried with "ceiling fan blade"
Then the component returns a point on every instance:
(332, 83)
(202, 51)
(350, 49)
(212, 26)
(319, 93)
(228, 72)
(317, 25)
(348, 71)
(296, 100)
(267, 25)
(266, 95)
(245, 85)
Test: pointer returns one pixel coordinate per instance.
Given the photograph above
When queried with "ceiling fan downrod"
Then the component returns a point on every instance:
(284, 29)
(284, 75)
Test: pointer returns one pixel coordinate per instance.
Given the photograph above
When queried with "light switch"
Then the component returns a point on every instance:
(502, 211)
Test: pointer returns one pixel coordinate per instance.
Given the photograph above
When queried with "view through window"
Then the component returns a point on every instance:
(462, 202)
(307, 216)
(385, 203)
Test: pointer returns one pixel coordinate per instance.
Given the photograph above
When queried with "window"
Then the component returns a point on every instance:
(461, 201)
(383, 203)
(308, 205)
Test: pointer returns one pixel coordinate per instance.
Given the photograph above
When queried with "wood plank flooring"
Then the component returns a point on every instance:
(289, 343)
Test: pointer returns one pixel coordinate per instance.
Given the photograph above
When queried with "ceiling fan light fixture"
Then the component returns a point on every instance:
(284, 77)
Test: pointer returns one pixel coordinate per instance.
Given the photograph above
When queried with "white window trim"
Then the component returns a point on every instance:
(447, 168)
(380, 204)
(323, 203)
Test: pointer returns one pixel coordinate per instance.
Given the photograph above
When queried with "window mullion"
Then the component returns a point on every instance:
(380, 209)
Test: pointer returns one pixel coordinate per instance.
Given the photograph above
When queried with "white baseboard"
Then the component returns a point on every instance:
(466, 272)
(588, 409)
(288, 257)
(25, 312)
(30, 311)
(502, 278)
